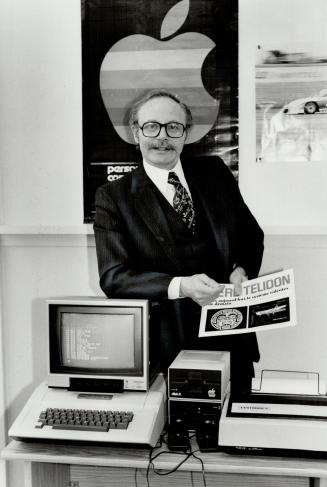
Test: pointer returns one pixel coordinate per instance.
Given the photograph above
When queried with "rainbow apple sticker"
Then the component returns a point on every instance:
(138, 63)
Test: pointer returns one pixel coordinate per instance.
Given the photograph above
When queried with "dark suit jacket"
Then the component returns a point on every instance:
(137, 256)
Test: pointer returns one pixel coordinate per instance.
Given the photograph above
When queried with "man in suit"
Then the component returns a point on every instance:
(173, 232)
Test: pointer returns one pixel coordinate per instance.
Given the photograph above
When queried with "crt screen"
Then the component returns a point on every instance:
(97, 341)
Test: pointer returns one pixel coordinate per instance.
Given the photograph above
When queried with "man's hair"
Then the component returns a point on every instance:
(158, 94)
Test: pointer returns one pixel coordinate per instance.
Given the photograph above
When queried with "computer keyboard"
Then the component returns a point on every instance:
(84, 420)
(61, 415)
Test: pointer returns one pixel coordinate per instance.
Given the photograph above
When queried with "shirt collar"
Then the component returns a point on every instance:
(159, 176)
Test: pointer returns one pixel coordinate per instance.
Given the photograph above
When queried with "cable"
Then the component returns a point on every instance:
(153, 457)
(158, 445)
(202, 467)
(187, 455)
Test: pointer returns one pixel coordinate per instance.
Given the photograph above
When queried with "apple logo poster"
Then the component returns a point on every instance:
(129, 47)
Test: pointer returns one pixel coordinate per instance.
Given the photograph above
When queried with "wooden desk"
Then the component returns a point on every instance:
(75, 466)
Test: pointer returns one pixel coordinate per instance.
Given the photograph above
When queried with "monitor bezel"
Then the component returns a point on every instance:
(136, 378)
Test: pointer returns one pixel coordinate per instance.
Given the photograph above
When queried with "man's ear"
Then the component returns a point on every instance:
(135, 130)
(187, 133)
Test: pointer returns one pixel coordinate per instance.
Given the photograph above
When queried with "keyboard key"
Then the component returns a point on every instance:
(79, 427)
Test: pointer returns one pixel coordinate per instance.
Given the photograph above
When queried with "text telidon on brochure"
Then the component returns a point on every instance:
(265, 303)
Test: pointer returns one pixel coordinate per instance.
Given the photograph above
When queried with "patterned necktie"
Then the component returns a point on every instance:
(182, 202)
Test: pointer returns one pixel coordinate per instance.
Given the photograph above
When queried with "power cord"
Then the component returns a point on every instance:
(186, 454)
(202, 467)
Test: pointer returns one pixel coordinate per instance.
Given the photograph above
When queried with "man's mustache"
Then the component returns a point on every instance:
(161, 145)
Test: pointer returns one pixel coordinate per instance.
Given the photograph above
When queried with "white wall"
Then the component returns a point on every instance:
(3, 470)
(41, 114)
(302, 347)
(44, 248)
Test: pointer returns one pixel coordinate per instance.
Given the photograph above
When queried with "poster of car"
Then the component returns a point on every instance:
(291, 104)
(189, 47)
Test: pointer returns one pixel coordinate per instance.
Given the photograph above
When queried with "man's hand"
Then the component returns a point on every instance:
(201, 288)
(237, 277)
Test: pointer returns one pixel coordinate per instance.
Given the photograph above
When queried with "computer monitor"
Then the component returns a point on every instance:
(99, 344)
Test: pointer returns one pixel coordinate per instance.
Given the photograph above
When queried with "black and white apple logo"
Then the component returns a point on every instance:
(138, 63)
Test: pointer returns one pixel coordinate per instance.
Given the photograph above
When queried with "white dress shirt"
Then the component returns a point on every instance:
(159, 177)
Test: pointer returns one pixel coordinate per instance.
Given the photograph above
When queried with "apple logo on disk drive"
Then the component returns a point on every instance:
(138, 63)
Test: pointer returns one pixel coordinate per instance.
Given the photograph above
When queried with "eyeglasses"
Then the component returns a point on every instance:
(153, 129)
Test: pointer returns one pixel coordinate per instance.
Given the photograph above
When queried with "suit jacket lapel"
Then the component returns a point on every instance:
(149, 208)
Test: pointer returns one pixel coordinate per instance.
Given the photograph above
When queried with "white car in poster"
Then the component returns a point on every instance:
(309, 106)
